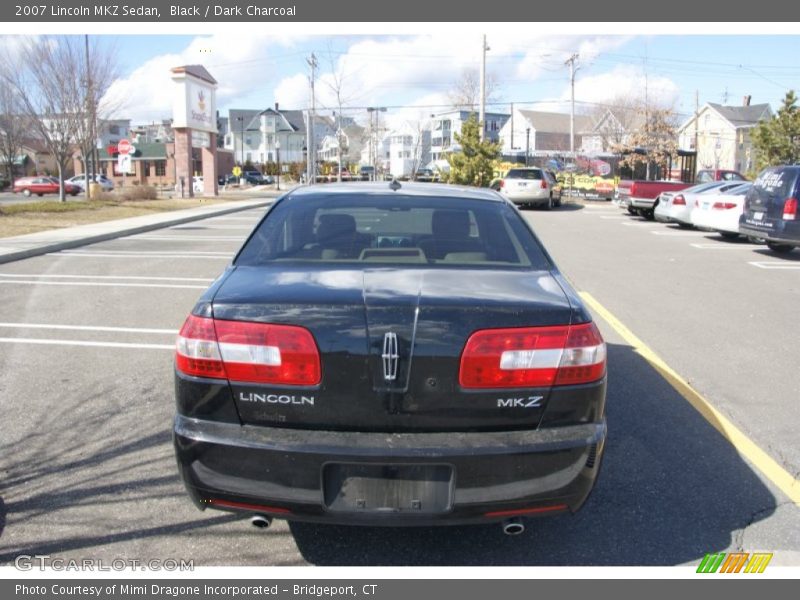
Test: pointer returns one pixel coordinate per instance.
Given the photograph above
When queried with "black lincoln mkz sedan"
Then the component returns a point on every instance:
(380, 354)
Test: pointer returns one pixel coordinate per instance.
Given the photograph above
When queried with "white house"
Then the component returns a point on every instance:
(258, 136)
(723, 135)
(405, 150)
(535, 130)
(445, 125)
(353, 140)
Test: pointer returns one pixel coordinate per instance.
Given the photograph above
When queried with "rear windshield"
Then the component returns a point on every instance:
(776, 184)
(524, 174)
(392, 229)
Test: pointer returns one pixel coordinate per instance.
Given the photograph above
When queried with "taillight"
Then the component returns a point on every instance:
(533, 357)
(632, 189)
(248, 352)
(544, 184)
(790, 209)
(679, 200)
(723, 205)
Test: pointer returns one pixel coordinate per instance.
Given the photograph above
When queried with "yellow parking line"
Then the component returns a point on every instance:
(743, 444)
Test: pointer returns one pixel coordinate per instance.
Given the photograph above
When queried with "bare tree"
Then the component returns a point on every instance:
(14, 127)
(97, 72)
(465, 92)
(49, 78)
(654, 142)
(616, 120)
(337, 82)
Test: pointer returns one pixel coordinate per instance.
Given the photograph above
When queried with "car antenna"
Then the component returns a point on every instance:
(394, 185)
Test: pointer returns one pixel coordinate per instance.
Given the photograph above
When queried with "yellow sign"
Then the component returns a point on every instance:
(237, 171)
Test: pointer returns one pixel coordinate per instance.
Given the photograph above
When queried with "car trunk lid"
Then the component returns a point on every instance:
(390, 341)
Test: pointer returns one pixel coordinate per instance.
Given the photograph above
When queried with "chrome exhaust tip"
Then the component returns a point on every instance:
(513, 527)
(261, 521)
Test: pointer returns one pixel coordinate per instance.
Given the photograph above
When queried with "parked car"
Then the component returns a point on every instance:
(720, 212)
(676, 207)
(425, 175)
(227, 179)
(41, 185)
(639, 197)
(527, 187)
(329, 375)
(366, 172)
(707, 175)
(80, 180)
(770, 208)
(254, 177)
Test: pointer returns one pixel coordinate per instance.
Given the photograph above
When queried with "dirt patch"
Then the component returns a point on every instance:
(19, 219)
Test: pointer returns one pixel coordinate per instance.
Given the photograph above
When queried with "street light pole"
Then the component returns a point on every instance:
(527, 144)
(241, 161)
(278, 158)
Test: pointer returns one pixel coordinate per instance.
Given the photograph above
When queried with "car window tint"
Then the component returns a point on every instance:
(524, 174)
(378, 229)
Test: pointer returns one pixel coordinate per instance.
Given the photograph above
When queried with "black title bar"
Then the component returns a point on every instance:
(327, 11)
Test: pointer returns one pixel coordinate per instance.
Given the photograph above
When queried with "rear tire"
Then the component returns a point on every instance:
(780, 248)
(633, 211)
(648, 214)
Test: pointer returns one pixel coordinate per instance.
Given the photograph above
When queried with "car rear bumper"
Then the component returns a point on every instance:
(537, 195)
(772, 230)
(284, 472)
(641, 202)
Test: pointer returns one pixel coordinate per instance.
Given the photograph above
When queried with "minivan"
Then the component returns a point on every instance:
(770, 208)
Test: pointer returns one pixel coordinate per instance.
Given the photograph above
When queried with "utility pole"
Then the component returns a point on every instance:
(88, 171)
(512, 128)
(571, 62)
(311, 165)
(696, 127)
(482, 114)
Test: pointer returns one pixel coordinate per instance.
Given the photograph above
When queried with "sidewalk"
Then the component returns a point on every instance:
(36, 244)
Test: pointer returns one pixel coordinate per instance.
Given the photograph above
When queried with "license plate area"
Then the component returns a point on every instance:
(406, 489)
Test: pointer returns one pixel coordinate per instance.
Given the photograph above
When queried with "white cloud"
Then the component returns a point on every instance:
(235, 60)
(624, 81)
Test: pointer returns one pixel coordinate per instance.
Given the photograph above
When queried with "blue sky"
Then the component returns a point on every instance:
(413, 73)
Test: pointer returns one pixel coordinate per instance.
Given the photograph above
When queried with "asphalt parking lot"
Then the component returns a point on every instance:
(86, 461)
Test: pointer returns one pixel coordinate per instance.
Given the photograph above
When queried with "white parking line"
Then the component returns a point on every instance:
(126, 277)
(189, 238)
(724, 246)
(212, 255)
(137, 252)
(775, 266)
(84, 343)
(102, 284)
(88, 328)
(676, 233)
(614, 217)
(636, 224)
(222, 227)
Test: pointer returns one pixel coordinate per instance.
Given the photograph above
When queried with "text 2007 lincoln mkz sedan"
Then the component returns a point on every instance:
(387, 355)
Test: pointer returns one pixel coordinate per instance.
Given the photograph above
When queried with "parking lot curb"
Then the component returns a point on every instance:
(46, 248)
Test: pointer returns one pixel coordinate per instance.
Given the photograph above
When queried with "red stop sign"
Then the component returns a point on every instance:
(124, 147)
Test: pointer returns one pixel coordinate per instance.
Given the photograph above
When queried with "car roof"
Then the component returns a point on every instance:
(437, 190)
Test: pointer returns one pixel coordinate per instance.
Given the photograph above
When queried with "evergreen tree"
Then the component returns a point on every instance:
(777, 141)
(473, 164)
